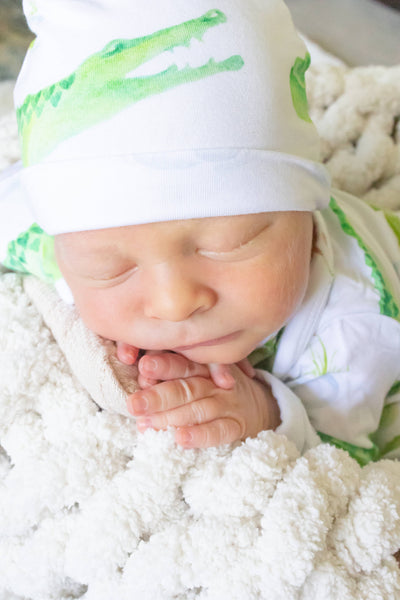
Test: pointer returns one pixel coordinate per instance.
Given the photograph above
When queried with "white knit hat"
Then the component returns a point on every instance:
(139, 112)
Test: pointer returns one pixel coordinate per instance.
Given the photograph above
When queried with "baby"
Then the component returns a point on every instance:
(172, 171)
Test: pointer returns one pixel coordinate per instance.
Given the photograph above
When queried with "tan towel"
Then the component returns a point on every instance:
(92, 359)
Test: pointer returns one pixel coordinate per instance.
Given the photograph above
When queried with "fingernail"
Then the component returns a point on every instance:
(143, 424)
(129, 356)
(138, 405)
(150, 364)
(186, 438)
(228, 379)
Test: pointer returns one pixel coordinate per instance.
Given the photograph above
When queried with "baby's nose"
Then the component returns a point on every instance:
(175, 296)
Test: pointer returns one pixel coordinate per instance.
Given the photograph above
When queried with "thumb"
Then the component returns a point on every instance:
(221, 376)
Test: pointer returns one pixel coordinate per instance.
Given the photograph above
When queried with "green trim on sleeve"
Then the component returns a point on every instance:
(388, 415)
(362, 455)
(395, 389)
(394, 223)
(394, 444)
(388, 306)
(391, 218)
(264, 356)
(389, 418)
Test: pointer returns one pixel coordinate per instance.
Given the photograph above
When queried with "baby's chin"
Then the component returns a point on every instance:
(214, 354)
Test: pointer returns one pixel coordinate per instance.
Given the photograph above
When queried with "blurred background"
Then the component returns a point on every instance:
(15, 37)
(360, 32)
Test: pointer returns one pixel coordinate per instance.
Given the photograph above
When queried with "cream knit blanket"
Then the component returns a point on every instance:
(90, 509)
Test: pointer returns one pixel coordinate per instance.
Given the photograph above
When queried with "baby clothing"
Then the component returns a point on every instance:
(335, 366)
(134, 112)
(172, 110)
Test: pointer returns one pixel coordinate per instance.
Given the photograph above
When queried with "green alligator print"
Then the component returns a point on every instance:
(99, 88)
(33, 252)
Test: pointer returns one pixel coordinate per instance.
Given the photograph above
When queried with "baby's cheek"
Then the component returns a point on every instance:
(102, 312)
(275, 293)
(278, 301)
(294, 281)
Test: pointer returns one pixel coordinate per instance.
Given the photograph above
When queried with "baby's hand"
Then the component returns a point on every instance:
(126, 353)
(173, 366)
(204, 414)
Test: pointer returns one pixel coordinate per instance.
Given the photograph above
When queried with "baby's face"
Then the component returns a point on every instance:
(211, 289)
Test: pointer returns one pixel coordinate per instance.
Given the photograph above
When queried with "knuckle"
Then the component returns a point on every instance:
(185, 390)
(208, 437)
(189, 369)
(174, 365)
(163, 397)
(166, 363)
(228, 431)
(224, 433)
(240, 428)
(157, 398)
(199, 412)
(217, 433)
(193, 369)
(206, 411)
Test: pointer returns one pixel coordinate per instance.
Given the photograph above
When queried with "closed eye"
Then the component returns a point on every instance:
(235, 250)
(113, 277)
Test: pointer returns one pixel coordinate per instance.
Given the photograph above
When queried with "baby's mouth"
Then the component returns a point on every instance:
(213, 342)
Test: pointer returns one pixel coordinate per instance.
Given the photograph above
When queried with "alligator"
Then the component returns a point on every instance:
(99, 88)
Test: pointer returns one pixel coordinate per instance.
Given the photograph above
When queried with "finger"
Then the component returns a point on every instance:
(221, 376)
(194, 413)
(127, 354)
(169, 366)
(145, 383)
(206, 435)
(168, 395)
(247, 368)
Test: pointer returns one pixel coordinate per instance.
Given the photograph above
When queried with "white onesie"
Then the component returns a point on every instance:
(335, 368)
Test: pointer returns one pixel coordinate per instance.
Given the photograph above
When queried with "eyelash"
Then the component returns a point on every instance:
(228, 253)
(206, 253)
(211, 254)
(131, 270)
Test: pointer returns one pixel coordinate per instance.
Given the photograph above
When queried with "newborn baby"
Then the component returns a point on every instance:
(173, 174)
(210, 289)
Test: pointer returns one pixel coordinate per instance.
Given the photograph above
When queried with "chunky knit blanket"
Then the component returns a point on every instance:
(91, 509)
